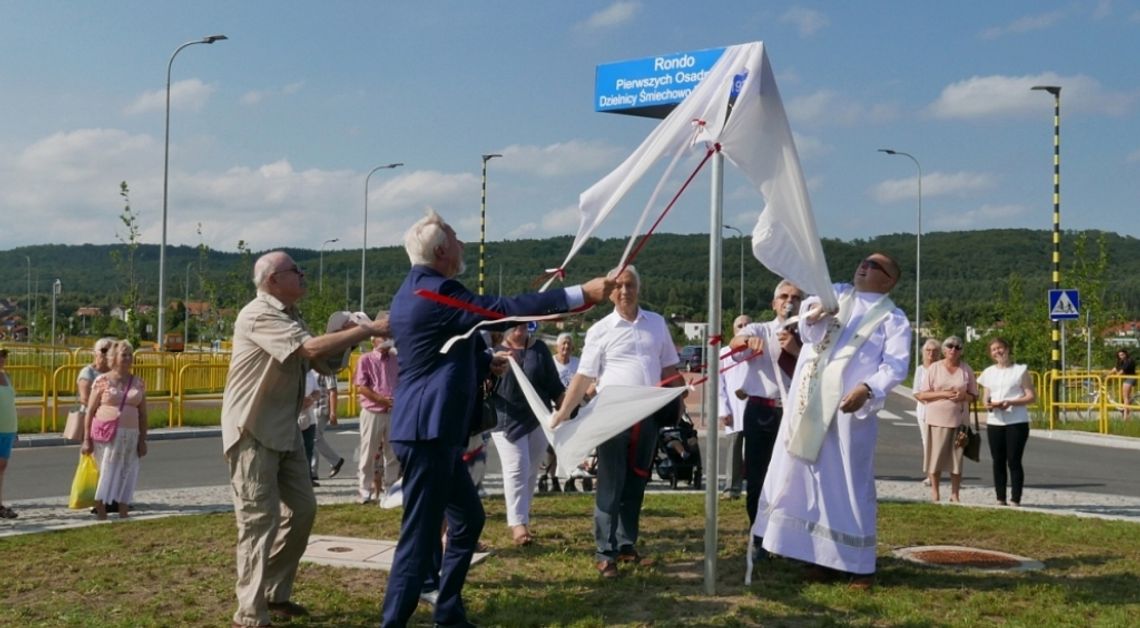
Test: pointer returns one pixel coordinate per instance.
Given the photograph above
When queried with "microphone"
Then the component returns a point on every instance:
(789, 319)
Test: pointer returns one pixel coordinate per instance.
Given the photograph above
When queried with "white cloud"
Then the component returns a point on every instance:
(807, 21)
(810, 147)
(1025, 24)
(190, 94)
(64, 188)
(984, 217)
(934, 184)
(255, 96)
(525, 230)
(614, 15)
(998, 95)
(563, 158)
(828, 107)
(562, 220)
(1102, 10)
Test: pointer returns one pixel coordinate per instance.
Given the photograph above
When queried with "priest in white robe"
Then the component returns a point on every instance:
(818, 504)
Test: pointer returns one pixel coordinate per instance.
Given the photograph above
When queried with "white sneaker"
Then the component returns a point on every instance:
(393, 497)
(430, 596)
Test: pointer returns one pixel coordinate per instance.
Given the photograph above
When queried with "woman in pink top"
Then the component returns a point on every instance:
(118, 396)
(948, 387)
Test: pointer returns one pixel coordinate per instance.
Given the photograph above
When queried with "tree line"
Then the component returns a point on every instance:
(992, 281)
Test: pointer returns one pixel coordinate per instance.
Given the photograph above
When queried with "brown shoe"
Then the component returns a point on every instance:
(288, 609)
(631, 557)
(862, 583)
(819, 573)
(607, 569)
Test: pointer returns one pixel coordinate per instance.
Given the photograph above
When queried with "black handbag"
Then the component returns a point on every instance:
(972, 443)
(485, 416)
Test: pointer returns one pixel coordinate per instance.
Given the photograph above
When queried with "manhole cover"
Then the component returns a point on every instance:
(958, 557)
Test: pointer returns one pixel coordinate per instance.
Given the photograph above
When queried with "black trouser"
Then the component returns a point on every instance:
(1007, 444)
(761, 423)
(308, 437)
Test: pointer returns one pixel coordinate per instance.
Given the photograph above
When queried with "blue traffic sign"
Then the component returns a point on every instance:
(1064, 305)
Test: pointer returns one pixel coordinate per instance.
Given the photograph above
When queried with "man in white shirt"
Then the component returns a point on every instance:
(769, 376)
(630, 346)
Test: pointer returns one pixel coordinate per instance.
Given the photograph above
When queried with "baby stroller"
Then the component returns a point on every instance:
(678, 453)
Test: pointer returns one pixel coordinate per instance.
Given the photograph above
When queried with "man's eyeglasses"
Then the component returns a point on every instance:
(104, 350)
(954, 347)
(870, 263)
(293, 269)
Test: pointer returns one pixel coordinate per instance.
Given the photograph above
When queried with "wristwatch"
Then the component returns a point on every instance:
(870, 393)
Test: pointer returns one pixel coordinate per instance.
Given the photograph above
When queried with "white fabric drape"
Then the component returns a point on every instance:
(615, 409)
(755, 138)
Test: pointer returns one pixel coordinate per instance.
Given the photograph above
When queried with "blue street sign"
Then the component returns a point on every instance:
(652, 86)
(1064, 305)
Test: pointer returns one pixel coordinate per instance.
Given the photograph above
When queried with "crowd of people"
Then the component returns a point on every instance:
(798, 399)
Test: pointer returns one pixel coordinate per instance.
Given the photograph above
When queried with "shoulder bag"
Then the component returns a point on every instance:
(103, 431)
(970, 440)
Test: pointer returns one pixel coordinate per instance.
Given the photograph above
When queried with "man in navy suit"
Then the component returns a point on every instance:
(435, 403)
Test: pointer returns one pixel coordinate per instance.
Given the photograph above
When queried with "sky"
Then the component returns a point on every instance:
(273, 131)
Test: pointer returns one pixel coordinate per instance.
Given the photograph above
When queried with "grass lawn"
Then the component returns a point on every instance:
(180, 572)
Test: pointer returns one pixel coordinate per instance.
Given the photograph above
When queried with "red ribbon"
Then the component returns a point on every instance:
(456, 303)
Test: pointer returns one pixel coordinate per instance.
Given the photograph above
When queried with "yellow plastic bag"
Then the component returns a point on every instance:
(84, 485)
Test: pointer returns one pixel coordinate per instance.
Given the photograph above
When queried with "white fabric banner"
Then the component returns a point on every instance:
(615, 409)
(755, 138)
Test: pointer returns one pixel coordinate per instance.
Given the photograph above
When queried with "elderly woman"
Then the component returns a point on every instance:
(1009, 389)
(948, 387)
(931, 353)
(115, 430)
(99, 364)
(567, 364)
(518, 438)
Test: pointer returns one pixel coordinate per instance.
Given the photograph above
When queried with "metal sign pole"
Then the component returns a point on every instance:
(712, 361)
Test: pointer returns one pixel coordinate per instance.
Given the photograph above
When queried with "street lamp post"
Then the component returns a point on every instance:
(364, 243)
(321, 272)
(741, 234)
(165, 176)
(28, 303)
(917, 259)
(483, 221)
(1056, 357)
(56, 288)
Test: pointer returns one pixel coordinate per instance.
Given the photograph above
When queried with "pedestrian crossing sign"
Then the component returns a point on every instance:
(1064, 305)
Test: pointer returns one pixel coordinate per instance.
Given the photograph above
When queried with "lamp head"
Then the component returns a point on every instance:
(490, 156)
(887, 151)
(212, 38)
(1052, 89)
(391, 166)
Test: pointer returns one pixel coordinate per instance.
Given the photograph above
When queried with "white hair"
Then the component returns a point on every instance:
(564, 336)
(104, 342)
(262, 269)
(422, 238)
(631, 269)
(785, 282)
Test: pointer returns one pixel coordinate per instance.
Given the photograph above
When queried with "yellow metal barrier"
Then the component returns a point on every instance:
(198, 382)
(33, 380)
(156, 378)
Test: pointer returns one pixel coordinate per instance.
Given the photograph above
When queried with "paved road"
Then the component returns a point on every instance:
(186, 475)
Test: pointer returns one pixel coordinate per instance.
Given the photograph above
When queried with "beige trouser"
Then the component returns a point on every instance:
(374, 428)
(275, 507)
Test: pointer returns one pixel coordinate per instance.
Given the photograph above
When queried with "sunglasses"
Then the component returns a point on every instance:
(870, 263)
(954, 347)
(104, 350)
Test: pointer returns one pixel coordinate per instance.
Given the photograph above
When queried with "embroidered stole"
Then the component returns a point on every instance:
(821, 389)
